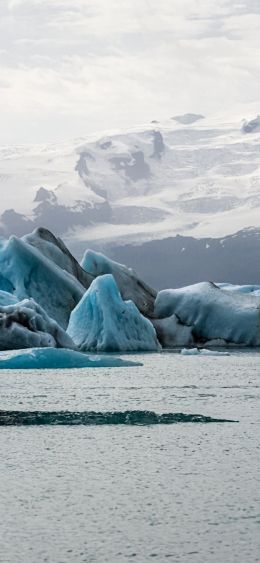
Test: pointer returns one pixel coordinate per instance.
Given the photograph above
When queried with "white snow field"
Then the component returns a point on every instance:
(102, 321)
(198, 178)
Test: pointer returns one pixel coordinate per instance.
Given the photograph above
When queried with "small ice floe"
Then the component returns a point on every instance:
(58, 358)
(202, 352)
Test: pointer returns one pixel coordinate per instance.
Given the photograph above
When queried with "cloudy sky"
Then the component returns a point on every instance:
(73, 67)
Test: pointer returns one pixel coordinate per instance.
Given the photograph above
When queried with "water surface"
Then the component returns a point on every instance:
(109, 492)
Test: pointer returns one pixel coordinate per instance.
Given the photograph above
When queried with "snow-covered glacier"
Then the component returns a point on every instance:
(102, 321)
(184, 175)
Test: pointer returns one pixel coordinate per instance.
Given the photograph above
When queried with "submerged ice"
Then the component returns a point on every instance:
(52, 358)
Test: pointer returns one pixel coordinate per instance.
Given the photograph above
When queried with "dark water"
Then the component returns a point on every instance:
(132, 464)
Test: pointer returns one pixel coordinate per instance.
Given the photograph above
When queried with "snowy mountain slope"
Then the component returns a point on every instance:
(194, 176)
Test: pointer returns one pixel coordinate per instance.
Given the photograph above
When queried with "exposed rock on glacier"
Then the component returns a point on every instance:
(130, 286)
(212, 313)
(102, 321)
(252, 126)
(188, 118)
(26, 325)
(51, 358)
(55, 249)
(32, 274)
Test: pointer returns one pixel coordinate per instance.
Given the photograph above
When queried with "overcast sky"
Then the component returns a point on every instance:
(73, 67)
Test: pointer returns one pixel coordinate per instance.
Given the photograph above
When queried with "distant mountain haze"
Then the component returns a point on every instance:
(174, 192)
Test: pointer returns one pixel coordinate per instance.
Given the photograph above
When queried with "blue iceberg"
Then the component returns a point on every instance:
(30, 274)
(129, 284)
(102, 321)
(213, 315)
(25, 324)
(53, 358)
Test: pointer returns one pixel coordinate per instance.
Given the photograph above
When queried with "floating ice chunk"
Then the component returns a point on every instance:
(202, 352)
(53, 358)
(130, 286)
(102, 321)
(31, 274)
(26, 324)
(190, 352)
(213, 313)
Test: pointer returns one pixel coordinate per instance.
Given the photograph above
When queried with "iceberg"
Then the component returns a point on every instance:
(55, 250)
(53, 358)
(31, 274)
(213, 314)
(252, 289)
(25, 324)
(102, 321)
(171, 332)
(130, 285)
(202, 352)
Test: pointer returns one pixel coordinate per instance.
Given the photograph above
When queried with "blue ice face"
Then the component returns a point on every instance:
(102, 321)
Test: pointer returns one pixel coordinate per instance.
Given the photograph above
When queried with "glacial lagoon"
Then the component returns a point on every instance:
(187, 491)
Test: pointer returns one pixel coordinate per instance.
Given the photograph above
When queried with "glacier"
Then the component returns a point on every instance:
(53, 358)
(102, 321)
(201, 181)
(215, 315)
